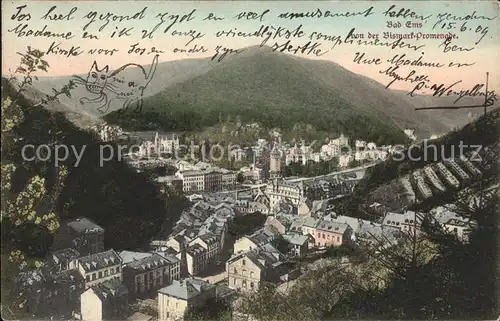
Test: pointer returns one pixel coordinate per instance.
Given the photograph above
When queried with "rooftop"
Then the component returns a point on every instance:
(129, 256)
(65, 255)
(195, 249)
(110, 289)
(148, 263)
(331, 226)
(186, 289)
(85, 225)
(100, 260)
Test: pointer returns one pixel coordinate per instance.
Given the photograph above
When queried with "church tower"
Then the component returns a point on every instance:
(275, 163)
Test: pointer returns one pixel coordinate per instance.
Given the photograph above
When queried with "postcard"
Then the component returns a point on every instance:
(265, 160)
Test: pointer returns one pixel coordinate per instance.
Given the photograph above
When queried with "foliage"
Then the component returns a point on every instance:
(213, 309)
(280, 98)
(339, 251)
(247, 224)
(282, 245)
(28, 218)
(311, 168)
(432, 275)
(482, 132)
(125, 203)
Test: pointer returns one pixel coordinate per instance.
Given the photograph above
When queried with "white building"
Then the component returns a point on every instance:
(181, 296)
(167, 143)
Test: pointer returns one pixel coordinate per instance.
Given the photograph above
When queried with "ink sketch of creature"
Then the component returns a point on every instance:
(117, 85)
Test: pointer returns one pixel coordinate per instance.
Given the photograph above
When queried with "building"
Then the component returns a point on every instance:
(45, 294)
(297, 155)
(453, 223)
(145, 273)
(345, 160)
(275, 162)
(86, 236)
(280, 222)
(246, 270)
(330, 233)
(473, 170)
(166, 143)
(406, 222)
(457, 169)
(299, 244)
(259, 238)
(196, 258)
(448, 176)
(170, 181)
(107, 132)
(210, 243)
(377, 235)
(177, 242)
(422, 187)
(105, 301)
(99, 267)
(175, 300)
(63, 260)
(280, 190)
(208, 179)
(434, 179)
(238, 153)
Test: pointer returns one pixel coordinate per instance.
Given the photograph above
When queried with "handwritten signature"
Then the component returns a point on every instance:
(447, 90)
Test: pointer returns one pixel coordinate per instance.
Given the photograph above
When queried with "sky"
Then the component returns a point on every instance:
(485, 54)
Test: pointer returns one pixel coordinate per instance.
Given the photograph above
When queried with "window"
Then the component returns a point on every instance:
(338, 238)
(235, 271)
(112, 271)
(87, 278)
(323, 235)
(117, 269)
(100, 274)
(251, 274)
(244, 283)
(251, 285)
(106, 273)
(243, 262)
(93, 276)
(234, 281)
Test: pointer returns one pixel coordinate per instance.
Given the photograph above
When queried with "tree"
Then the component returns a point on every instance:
(28, 216)
(281, 244)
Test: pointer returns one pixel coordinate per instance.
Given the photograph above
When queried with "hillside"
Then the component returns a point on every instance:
(450, 118)
(77, 115)
(167, 73)
(275, 89)
(279, 90)
(391, 181)
(126, 203)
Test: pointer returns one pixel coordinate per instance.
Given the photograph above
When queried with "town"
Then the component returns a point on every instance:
(242, 229)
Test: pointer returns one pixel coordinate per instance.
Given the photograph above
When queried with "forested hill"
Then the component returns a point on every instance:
(124, 202)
